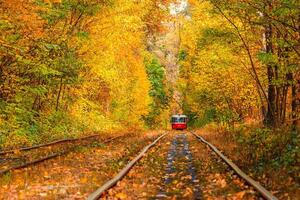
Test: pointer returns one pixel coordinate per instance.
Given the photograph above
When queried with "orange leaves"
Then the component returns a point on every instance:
(188, 193)
(23, 14)
(52, 1)
(46, 175)
(84, 180)
(17, 152)
(219, 180)
(121, 196)
(240, 195)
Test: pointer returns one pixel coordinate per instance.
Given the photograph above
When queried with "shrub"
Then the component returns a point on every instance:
(264, 146)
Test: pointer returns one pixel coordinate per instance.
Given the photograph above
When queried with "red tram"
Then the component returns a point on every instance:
(179, 122)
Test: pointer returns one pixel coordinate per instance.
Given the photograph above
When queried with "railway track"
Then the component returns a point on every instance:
(179, 150)
(67, 140)
(265, 193)
(21, 155)
(97, 194)
(13, 166)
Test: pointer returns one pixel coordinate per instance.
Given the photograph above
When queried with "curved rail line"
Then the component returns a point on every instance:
(39, 160)
(265, 193)
(48, 144)
(97, 194)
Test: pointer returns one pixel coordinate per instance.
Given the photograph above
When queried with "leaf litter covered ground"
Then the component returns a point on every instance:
(282, 184)
(180, 167)
(25, 156)
(74, 175)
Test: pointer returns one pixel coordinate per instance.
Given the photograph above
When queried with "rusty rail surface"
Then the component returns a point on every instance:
(265, 193)
(48, 144)
(54, 155)
(97, 194)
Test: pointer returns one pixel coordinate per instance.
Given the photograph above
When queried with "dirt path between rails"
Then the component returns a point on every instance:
(180, 167)
(180, 180)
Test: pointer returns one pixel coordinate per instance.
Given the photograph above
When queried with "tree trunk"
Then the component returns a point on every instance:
(270, 118)
(296, 102)
(58, 95)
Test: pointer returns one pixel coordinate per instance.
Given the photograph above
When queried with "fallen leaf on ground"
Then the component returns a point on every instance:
(121, 195)
(239, 195)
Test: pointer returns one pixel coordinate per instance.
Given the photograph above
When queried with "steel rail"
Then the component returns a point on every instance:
(97, 194)
(48, 144)
(265, 193)
(54, 155)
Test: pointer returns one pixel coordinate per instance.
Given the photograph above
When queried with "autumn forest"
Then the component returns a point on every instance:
(74, 68)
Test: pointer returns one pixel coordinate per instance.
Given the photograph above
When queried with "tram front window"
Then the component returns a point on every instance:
(178, 119)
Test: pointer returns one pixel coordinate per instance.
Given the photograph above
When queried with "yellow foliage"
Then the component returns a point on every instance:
(115, 59)
(212, 66)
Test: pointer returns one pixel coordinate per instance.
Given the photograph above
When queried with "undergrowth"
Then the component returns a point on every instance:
(270, 156)
(264, 147)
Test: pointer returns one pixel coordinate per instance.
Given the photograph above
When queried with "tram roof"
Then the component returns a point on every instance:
(179, 116)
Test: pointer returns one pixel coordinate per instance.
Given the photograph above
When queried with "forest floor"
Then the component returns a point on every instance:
(178, 167)
(279, 181)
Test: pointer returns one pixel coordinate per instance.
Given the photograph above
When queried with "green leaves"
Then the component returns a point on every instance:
(83, 35)
(52, 46)
(13, 38)
(221, 36)
(38, 90)
(266, 58)
(156, 76)
(182, 55)
(5, 24)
